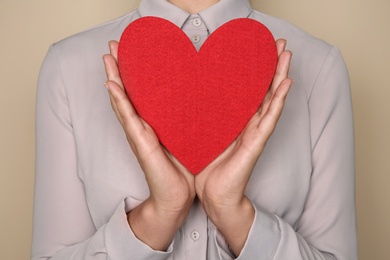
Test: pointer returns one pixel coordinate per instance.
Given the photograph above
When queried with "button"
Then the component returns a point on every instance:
(195, 38)
(196, 22)
(195, 235)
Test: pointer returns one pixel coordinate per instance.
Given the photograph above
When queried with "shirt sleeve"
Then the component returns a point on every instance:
(327, 227)
(63, 227)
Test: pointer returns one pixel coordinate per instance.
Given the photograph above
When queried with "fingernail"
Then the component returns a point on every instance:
(106, 85)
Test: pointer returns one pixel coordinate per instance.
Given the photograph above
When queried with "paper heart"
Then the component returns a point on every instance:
(197, 102)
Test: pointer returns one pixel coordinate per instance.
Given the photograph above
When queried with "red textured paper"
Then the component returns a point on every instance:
(197, 102)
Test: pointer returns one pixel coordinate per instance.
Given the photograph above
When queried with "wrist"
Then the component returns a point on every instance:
(234, 223)
(169, 213)
(154, 225)
(226, 215)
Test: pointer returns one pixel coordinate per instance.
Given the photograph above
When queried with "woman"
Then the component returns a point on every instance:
(105, 193)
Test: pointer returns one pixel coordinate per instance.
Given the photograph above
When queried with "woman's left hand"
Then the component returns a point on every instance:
(221, 185)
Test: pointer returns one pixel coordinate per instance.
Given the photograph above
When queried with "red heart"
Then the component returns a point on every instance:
(197, 102)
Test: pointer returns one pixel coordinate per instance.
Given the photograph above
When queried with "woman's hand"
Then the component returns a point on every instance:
(171, 186)
(221, 185)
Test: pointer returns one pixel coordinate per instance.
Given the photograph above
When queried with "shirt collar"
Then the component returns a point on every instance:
(214, 16)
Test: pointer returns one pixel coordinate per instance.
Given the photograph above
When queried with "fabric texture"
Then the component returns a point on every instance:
(87, 177)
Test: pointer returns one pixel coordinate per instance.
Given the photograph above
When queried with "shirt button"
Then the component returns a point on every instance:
(195, 38)
(196, 22)
(195, 235)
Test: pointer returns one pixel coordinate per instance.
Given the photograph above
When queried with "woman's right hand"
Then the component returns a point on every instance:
(171, 185)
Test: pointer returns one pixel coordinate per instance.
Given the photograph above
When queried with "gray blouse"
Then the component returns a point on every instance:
(87, 177)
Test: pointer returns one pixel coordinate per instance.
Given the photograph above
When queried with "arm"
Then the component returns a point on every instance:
(172, 192)
(327, 228)
(56, 170)
(330, 207)
(63, 227)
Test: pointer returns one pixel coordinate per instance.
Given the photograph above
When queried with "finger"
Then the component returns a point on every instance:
(109, 65)
(112, 74)
(280, 73)
(113, 46)
(275, 108)
(114, 106)
(280, 46)
(112, 70)
(124, 110)
(282, 69)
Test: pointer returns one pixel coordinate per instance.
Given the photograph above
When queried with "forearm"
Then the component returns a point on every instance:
(156, 227)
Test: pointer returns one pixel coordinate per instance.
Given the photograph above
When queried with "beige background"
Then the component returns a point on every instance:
(360, 28)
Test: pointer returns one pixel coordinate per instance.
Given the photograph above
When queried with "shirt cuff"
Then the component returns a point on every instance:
(263, 238)
(121, 243)
(262, 241)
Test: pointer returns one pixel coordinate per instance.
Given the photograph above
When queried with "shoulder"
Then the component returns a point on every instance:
(75, 63)
(80, 55)
(309, 52)
(297, 39)
(95, 39)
